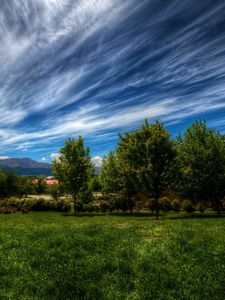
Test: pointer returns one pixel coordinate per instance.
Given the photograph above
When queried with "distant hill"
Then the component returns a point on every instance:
(25, 166)
(28, 166)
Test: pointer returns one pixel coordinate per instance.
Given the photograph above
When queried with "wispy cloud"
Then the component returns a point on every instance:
(96, 67)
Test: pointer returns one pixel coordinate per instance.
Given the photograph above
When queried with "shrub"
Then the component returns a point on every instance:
(55, 191)
(78, 207)
(176, 205)
(86, 196)
(89, 207)
(41, 204)
(25, 205)
(165, 204)
(111, 205)
(201, 207)
(187, 206)
(96, 207)
(62, 205)
(7, 209)
(104, 206)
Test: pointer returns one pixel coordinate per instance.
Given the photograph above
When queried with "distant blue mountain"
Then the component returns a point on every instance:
(28, 166)
(25, 166)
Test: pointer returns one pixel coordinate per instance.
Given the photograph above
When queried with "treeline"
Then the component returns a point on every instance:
(148, 162)
(12, 185)
(20, 186)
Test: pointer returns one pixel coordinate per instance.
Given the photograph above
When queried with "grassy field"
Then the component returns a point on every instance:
(59, 256)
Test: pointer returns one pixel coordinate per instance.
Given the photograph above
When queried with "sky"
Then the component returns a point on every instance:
(98, 67)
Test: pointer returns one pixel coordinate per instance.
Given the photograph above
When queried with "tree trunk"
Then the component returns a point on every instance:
(218, 208)
(74, 204)
(130, 203)
(157, 207)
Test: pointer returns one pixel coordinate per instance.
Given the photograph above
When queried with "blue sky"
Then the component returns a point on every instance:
(98, 67)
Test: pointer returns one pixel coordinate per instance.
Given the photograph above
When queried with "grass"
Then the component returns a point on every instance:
(58, 256)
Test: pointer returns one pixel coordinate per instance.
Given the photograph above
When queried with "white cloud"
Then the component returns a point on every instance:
(44, 159)
(55, 156)
(4, 157)
(97, 160)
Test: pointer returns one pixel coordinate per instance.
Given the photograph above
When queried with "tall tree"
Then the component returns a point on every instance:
(149, 156)
(109, 175)
(73, 167)
(202, 157)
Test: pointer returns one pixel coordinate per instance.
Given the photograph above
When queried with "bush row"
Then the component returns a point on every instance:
(41, 204)
(12, 205)
(165, 205)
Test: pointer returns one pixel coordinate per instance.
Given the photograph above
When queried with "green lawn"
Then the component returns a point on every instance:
(59, 256)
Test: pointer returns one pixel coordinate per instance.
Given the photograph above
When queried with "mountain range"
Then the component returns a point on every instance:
(25, 166)
(28, 166)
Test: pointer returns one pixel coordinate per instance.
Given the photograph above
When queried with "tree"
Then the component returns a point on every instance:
(149, 156)
(202, 157)
(24, 186)
(40, 186)
(3, 189)
(127, 172)
(109, 175)
(95, 183)
(56, 191)
(73, 167)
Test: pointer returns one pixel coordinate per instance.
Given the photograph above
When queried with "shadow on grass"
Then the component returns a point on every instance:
(148, 215)
(195, 216)
(114, 214)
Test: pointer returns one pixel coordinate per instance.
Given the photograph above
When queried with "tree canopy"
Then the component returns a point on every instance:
(73, 168)
(201, 153)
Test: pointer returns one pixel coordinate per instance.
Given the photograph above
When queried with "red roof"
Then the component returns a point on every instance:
(51, 181)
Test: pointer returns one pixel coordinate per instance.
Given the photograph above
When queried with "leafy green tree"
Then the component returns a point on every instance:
(86, 193)
(56, 191)
(115, 182)
(127, 171)
(24, 186)
(3, 189)
(202, 157)
(95, 184)
(40, 186)
(148, 156)
(109, 175)
(73, 167)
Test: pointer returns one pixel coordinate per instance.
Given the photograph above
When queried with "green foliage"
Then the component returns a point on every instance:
(96, 207)
(89, 207)
(201, 207)
(39, 204)
(96, 184)
(40, 186)
(56, 191)
(74, 168)
(147, 159)
(176, 206)
(165, 204)
(86, 194)
(202, 158)
(78, 206)
(12, 185)
(109, 175)
(187, 206)
(104, 206)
